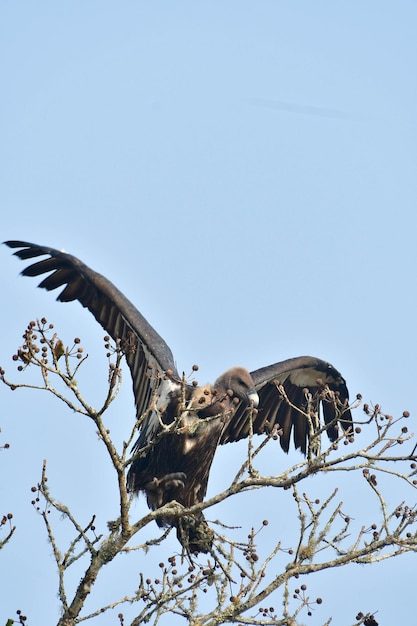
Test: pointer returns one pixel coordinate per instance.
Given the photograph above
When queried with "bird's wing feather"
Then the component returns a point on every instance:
(277, 409)
(146, 352)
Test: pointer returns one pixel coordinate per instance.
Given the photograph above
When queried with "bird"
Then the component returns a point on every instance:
(182, 424)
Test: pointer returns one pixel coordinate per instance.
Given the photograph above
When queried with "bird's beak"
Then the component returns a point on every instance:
(253, 397)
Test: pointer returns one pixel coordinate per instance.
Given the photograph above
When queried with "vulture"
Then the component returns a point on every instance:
(174, 463)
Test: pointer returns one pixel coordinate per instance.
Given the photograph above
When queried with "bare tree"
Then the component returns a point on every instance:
(233, 583)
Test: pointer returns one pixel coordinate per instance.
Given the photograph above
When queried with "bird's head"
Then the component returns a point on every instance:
(238, 383)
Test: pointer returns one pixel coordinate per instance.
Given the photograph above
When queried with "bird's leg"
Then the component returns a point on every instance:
(169, 481)
(160, 491)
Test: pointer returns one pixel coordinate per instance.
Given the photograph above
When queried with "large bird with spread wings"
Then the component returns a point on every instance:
(176, 465)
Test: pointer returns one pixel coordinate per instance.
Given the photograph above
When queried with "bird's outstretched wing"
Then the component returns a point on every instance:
(146, 352)
(287, 391)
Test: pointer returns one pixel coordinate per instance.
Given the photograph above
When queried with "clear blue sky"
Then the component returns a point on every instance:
(245, 172)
